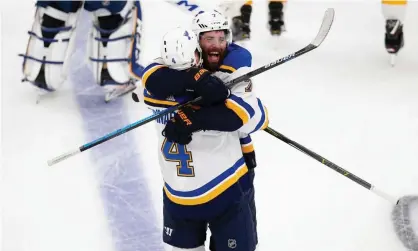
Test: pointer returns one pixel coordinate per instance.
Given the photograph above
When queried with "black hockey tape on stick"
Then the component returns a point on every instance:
(322, 33)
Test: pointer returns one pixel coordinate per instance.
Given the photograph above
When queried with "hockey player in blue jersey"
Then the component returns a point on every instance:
(113, 44)
(213, 181)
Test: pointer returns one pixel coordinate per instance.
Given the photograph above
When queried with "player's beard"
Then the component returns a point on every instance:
(212, 64)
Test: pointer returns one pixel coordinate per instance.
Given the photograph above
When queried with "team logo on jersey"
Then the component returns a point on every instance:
(186, 34)
(232, 243)
(106, 3)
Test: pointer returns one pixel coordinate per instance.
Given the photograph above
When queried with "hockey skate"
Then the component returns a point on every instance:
(276, 22)
(40, 85)
(241, 24)
(240, 31)
(394, 40)
(113, 89)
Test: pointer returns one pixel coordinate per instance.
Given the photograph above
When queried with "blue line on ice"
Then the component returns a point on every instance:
(123, 187)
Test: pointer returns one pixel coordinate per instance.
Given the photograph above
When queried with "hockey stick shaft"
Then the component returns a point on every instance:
(318, 157)
(117, 133)
(330, 164)
(320, 37)
(323, 31)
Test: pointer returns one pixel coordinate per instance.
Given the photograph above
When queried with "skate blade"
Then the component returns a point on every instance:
(392, 59)
(118, 93)
(41, 94)
(241, 37)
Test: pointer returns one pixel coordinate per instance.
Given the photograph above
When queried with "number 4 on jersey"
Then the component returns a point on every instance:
(174, 152)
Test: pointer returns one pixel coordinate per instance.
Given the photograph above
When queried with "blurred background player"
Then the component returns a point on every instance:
(394, 13)
(113, 44)
(241, 17)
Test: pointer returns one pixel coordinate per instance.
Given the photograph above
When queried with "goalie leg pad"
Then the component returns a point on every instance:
(114, 41)
(50, 44)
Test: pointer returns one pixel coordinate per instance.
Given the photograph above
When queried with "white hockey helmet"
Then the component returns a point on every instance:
(178, 48)
(211, 21)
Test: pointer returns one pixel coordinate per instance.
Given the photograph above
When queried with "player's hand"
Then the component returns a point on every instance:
(181, 127)
(210, 88)
(250, 160)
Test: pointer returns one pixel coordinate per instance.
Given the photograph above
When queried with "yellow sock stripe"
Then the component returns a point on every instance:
(394, 2)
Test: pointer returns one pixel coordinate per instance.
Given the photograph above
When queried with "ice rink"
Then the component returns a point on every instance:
(342, 100)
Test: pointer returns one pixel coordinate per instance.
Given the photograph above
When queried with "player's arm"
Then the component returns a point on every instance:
(247, 112)
(243, 102)
(244, 113)
(162, 81)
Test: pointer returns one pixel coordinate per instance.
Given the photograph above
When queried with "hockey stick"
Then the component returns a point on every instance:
(323, 31)
(330, 164)
(401, 210)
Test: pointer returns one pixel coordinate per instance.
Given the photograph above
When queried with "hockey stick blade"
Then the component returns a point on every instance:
(327, 22)
(325, 27)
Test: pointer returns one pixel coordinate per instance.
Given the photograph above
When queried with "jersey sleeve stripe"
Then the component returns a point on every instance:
(227, 68)
(152, 101)
(263, 123)
(159, 103)
(247, 148)
(266, 121)
(239, 110)
(246, 144)
(150, 70)
(245, 140)
(240, 107)
(210, 190)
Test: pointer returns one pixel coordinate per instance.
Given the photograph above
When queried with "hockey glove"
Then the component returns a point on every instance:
(180, 128)
(210, 88)
(250, 160)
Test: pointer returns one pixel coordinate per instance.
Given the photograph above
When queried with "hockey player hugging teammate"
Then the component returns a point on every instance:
(113, 44)
(207, 180)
